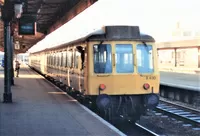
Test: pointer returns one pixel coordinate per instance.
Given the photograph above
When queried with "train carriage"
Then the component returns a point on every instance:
(115, 67)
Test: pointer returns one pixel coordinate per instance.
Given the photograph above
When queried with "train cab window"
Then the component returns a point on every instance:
(124, 58)
(145, 58)
(102, 58)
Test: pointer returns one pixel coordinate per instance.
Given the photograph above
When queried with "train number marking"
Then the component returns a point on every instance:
(149, 77)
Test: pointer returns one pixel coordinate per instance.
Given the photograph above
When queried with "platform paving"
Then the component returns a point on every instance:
(187, 81)
(39, 109)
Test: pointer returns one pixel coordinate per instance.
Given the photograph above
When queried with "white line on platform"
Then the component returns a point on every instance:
(195, 88)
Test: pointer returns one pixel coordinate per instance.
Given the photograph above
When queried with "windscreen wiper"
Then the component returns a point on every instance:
(146, 47)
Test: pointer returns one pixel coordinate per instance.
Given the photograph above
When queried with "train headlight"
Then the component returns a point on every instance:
(102, 87)
(146, 86)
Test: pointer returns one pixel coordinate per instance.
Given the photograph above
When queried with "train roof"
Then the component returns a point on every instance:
(110, 33)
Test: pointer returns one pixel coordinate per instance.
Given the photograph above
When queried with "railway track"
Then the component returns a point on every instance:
(133, 129)
(148, 131)
(186, 114)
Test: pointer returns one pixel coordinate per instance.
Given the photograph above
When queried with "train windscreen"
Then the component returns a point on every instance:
(144, 58)
(102, 58)
(124, 58)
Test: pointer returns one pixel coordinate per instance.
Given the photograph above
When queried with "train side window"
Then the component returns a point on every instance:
(54, 60)
(61, 58)
(47, 56)
(69, 59)
(102, 58)
(124, 58)
(77, 55)
(73, 58)
(66, 58)
(51, 59)
(58, 57)
(48, 59)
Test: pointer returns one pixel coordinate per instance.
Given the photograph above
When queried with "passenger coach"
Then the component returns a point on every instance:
(115, 68)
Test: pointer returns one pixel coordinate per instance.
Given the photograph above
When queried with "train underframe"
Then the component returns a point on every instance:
(116, 107)
(125, 107)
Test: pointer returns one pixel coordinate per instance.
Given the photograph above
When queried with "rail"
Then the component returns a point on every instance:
(183, 113)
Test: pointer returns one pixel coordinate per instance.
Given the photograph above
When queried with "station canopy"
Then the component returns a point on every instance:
(50, 15)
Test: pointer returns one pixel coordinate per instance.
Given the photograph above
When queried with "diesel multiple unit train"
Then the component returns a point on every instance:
(115, 68)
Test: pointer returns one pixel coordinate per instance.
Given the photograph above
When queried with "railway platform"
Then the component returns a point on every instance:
(41, 109)
(180, 80)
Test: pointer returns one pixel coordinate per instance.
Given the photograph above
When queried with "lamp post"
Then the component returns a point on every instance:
(7, 15)
(10, 9)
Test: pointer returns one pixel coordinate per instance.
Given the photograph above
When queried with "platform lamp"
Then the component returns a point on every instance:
(2, 2)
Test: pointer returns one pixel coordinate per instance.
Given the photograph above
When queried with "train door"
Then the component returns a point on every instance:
(65, 72)
(54, 65)
(73, 70)
(85, 73)
(61, 67)
(50, 64)
(77, 68)
(83, 69)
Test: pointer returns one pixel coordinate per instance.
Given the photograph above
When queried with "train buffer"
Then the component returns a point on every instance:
(41, 109)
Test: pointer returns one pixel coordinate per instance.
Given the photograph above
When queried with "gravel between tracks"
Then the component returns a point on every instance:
(167, 126)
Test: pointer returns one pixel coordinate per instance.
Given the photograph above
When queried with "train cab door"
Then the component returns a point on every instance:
(83, 71)
(79, 64)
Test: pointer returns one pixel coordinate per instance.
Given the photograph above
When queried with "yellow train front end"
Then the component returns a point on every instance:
(124, 67)
(124, 76)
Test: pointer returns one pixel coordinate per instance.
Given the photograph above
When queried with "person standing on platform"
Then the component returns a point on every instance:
(17, 67)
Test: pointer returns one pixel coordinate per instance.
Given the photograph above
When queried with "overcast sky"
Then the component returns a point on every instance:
(155, 17)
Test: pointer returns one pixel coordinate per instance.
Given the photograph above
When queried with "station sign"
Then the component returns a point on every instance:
(27, 25)
(17, 45)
